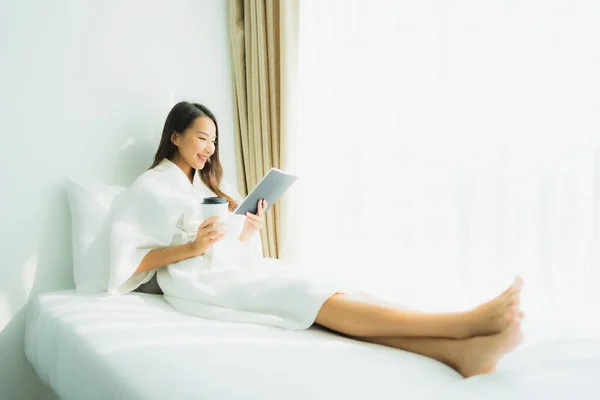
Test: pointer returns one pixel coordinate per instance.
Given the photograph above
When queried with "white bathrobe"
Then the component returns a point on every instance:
(231, 282)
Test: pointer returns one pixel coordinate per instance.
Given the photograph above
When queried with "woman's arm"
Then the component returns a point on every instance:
(209, 233)
(254, 222)
(157, 258)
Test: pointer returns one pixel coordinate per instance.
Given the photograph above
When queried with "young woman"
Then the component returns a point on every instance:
(216, 270)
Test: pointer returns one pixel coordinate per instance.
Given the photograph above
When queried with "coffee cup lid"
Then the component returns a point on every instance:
(214, 200)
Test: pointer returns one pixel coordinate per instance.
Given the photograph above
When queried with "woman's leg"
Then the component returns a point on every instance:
(469, 357)
(355, 318)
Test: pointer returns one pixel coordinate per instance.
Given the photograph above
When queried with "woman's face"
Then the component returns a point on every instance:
(197, 143)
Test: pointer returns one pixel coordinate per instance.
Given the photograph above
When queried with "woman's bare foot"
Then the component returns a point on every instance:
(497, 314)
(479, 355)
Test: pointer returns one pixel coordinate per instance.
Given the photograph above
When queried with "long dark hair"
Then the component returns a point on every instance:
(180, 118)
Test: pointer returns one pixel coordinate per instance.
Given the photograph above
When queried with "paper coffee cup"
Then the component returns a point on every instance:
(215, 207)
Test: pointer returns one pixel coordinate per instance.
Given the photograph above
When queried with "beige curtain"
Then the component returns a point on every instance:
(264, 43)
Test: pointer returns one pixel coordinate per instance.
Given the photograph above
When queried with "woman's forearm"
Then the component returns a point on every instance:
(157, 258)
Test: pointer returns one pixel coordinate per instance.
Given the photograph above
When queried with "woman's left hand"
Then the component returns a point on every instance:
(254, 222)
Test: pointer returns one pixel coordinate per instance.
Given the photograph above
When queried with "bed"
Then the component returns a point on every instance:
(137, 347)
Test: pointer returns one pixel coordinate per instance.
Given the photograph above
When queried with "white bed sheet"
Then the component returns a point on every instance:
(137, 347)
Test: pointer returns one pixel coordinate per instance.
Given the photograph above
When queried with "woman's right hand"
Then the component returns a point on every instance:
(209, 233)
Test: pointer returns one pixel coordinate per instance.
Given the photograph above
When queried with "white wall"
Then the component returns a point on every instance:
(85, 87)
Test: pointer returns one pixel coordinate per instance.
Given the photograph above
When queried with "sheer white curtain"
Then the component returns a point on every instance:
(446, 146)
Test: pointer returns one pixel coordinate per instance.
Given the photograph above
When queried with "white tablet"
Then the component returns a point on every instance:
(270, 188)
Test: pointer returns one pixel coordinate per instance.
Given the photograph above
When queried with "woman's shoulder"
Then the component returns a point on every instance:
(159, 176)
(145, 177)
(152, 191)
(151, 186)
(143, 182)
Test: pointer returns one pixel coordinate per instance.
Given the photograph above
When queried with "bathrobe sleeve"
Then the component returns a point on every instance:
(144, 220)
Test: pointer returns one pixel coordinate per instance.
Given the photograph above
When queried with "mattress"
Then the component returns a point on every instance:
(137, 347)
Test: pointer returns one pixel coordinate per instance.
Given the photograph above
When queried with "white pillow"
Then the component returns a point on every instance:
(90, 205)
